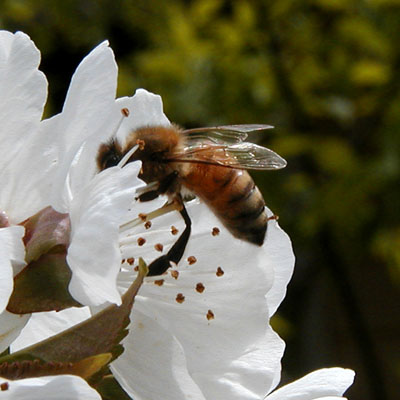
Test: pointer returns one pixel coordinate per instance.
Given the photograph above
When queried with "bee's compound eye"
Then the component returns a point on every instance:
(111, 160)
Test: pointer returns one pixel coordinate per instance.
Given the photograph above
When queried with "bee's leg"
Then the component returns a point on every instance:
(162, 188)
(148, 196)
(176, 252)
(161, 264)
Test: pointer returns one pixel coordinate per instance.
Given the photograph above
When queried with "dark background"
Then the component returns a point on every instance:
(325, 73)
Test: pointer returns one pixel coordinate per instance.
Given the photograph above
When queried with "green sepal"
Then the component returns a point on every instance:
(43, 286)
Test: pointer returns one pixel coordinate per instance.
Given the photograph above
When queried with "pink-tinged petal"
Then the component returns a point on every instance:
(45, 324)
(96, 214)
(10, 327)
(60, 387)
(153, 365)
(12, 253)
(220, 320)
(145, 109)
(321, 384)
(24, 90)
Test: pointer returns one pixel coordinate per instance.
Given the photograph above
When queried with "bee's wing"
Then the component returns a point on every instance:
(242, 155)
(224, 134)
(253, 156)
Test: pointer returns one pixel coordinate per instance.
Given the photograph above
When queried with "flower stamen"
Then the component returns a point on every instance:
(127, 156)
(168, 207)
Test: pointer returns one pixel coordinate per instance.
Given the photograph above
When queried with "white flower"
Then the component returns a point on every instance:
(201, 331)
(52, 162)
(217, 343)
(61, 387)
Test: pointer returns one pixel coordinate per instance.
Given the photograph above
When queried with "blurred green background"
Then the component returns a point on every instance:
(325, 73)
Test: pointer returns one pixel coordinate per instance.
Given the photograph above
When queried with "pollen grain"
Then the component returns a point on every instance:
(141, 241)
(191, 260)
(142, 216)
(147, 224)
(180, 298)
(174, 273)
(200, 287)
(159, 247)
(215, 231)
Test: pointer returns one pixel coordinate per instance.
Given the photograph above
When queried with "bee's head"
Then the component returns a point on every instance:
(109, 155)
(155, 145)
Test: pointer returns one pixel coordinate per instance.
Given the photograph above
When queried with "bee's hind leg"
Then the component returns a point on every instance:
(161, 264)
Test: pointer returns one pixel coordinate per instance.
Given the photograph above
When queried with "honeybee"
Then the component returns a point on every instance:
(209, 162)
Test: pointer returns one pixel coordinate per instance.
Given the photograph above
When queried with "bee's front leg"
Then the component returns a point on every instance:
(163, 187)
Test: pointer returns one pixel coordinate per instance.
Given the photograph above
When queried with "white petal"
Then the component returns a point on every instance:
(45, 324)
(23, 89)
(96, 213)
(316, 385)
(10, 327)
(89, 111)
(12, 253)
(91, 93)
(60, 387)
(234, 355)
(282, 257)
(145, 109)
(153, 365)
